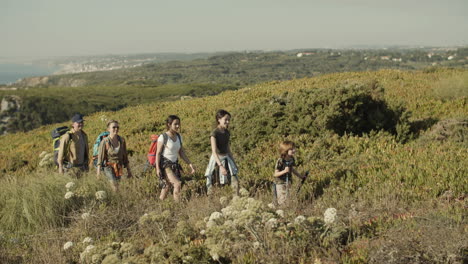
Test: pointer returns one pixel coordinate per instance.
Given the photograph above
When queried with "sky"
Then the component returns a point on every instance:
(99, 27)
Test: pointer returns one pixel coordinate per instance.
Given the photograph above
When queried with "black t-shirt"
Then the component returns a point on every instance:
(222, 140)
(281, 164)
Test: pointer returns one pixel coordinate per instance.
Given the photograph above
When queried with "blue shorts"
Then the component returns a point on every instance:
(109, 172)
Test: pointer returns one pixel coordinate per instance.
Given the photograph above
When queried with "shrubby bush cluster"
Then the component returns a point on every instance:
(354, 109)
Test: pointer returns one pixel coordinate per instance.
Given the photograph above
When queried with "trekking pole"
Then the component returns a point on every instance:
(302, 182)
(275, 195)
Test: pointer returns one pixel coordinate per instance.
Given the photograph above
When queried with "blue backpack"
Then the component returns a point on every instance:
(96, 147)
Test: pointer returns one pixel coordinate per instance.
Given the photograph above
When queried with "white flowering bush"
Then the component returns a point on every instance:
(280, 213)
(89, 248)
(101, 195)
(238, 226)
(215, 216)
(69, 185)
(69, 195)
(67, 245)
(154, 216)
(46, 159)
(244, 192)
(85, 216)
(115, 252)
(246, 224)
(88, 240)
(299, 219)
(224, 200)
(330, 217)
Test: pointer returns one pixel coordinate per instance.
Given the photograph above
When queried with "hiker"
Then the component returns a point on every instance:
(168, 149)
(283, 170)
(113, 156)
(222, 168)
(73, 152)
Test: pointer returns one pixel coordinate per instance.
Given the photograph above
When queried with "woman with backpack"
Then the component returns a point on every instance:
(113, 156)
(168, 149)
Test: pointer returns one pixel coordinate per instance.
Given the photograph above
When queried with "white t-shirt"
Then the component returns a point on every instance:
(171, 150)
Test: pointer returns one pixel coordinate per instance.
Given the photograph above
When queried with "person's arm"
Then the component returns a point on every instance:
(230, 154)
(279, 173)
(214, 152)
(186, 159)
(87, 160)
(101, 157)
(125, 159)
(159, 147)
(61, 151)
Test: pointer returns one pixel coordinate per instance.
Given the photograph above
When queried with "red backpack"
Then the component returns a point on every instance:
(152, 150)
(153, 146)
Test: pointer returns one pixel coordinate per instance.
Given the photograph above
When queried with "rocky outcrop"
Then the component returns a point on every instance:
(33, 81)
(65, 82)
(10, 103)
(8, 106)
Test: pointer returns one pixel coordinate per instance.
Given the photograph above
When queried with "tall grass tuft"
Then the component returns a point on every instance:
(38, 202)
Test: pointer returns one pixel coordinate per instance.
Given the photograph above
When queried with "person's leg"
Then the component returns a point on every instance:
(235, 185)
(109, 172)
(71, 171)
(281, 193)
(209, 183)
(165, 189)
(174, 180)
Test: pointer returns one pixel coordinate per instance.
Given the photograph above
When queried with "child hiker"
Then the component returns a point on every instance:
(222, 168)
(283, 171)
(168, 150)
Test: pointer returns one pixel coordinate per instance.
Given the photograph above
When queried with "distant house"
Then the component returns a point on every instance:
(396, 59)
(385, 57)
(450, 57)
(301, 54)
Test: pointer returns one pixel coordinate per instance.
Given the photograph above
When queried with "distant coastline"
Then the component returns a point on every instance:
(12, 72)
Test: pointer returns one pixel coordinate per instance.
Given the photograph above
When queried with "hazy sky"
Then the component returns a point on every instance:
(92, 27)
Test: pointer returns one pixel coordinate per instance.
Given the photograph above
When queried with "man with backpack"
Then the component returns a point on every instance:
(73, 153)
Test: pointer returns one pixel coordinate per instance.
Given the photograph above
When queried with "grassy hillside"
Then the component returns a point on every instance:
(386, 149)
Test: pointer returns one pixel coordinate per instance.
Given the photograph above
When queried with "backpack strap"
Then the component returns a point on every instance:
(165, 139)
(180, 139)
(66, 147)
(107, 141)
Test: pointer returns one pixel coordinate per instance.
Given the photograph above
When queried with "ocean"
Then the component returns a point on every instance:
(10, 73)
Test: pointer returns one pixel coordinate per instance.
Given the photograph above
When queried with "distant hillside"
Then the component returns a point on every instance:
(386, 152)
(115, 89)
(245, 68)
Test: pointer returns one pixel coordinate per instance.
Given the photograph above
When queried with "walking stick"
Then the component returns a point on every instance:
(275, 195)
(302, 182)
